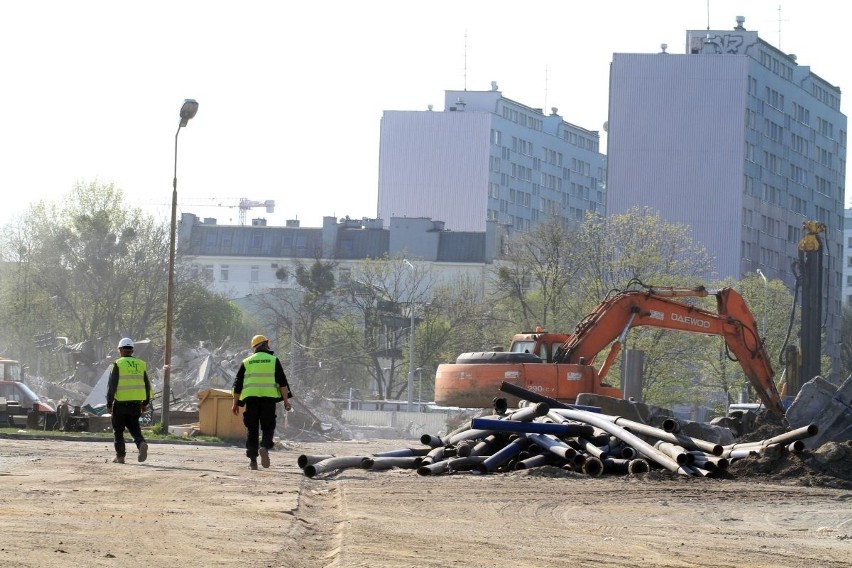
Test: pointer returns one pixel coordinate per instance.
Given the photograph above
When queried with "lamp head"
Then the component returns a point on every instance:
(187, 111)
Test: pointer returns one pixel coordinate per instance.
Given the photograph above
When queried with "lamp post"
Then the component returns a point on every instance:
(187, 111)
(411, 341)
(765, 290)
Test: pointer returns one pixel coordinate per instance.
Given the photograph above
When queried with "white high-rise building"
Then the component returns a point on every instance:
(739, 141)
(488, 158)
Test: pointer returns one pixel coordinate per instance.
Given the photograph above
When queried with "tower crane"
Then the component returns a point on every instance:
(246, 204)
(242, 203)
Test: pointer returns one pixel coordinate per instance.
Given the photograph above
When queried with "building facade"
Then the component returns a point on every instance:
(737, 140)
(239, 261)
(488, 158)
(847, 257)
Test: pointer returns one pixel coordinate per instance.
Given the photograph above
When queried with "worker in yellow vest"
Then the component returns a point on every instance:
(128, 395)
(259, 386)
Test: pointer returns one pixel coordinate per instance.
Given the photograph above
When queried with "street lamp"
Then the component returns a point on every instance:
(187, 111)
(765, 290)
(411, 340)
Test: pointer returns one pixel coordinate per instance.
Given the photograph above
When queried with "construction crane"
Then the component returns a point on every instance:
(242, 204)
(246, 204)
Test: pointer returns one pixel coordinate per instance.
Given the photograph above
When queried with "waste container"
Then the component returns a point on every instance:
(215, 417)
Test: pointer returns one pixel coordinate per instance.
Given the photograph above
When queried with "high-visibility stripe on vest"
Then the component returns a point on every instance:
(131, 380)
(259, 379)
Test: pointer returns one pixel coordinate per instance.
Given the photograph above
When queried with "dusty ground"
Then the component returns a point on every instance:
(62, 503)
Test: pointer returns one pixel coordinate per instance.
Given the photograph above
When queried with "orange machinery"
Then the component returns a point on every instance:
(561, 366)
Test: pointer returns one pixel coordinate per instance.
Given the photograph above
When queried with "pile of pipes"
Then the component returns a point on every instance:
(550, 433)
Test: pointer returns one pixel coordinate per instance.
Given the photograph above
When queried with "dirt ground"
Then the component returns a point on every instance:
(62, 504)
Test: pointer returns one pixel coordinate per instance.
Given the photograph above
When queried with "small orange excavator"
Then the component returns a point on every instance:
(561, 366)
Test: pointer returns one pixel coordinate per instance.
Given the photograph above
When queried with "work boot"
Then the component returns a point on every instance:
(143, 451)
(264, 457)
(118, 459)
(253, 464)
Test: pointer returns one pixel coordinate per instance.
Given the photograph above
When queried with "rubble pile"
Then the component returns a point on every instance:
(194, 369)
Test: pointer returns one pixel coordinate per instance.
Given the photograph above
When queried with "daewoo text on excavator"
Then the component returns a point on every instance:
(561, 366)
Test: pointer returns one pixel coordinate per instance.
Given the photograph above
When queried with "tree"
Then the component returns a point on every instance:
(375, 324)
(637, 245)
(846, 342)
(205, 315)
(93, 262)
(539, 273)
(298, 308)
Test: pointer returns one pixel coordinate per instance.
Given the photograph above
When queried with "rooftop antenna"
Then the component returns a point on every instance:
(708, 15)
(779, 26)
(465, 60)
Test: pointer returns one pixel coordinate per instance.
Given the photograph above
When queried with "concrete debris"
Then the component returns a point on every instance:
(830, 407)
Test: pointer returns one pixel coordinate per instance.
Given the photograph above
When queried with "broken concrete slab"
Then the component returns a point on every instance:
(829, 407)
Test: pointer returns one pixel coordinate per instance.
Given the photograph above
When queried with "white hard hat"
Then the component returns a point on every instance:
(125, 343)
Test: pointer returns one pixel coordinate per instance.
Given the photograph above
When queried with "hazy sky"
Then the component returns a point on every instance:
(291, 93)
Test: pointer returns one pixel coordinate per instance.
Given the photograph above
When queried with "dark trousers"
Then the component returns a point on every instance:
(126, 415)
(259, 418)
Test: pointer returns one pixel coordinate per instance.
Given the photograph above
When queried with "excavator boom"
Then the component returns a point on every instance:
(561, 366)
(655, 307)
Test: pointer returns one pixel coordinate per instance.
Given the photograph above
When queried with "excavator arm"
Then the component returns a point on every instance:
(610, 321)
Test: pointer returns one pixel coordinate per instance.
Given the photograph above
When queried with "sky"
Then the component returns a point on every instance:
(291, 93)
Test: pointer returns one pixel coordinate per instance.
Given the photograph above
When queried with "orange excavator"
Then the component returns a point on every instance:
(561, 366)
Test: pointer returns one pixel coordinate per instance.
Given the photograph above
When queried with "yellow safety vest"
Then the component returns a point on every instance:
(259, 379)
(131, 380)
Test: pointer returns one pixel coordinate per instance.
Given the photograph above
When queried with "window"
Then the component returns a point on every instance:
(223, 273)
(255, 274)
(207, 272)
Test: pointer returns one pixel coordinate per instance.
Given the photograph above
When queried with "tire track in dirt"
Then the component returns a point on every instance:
(316, 534)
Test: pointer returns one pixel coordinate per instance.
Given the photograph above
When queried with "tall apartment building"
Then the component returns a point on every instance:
(847, 257)
(739, 141)
(488, 158)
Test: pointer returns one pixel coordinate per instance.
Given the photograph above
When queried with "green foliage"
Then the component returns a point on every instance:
(204, 315)
(87, 267)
